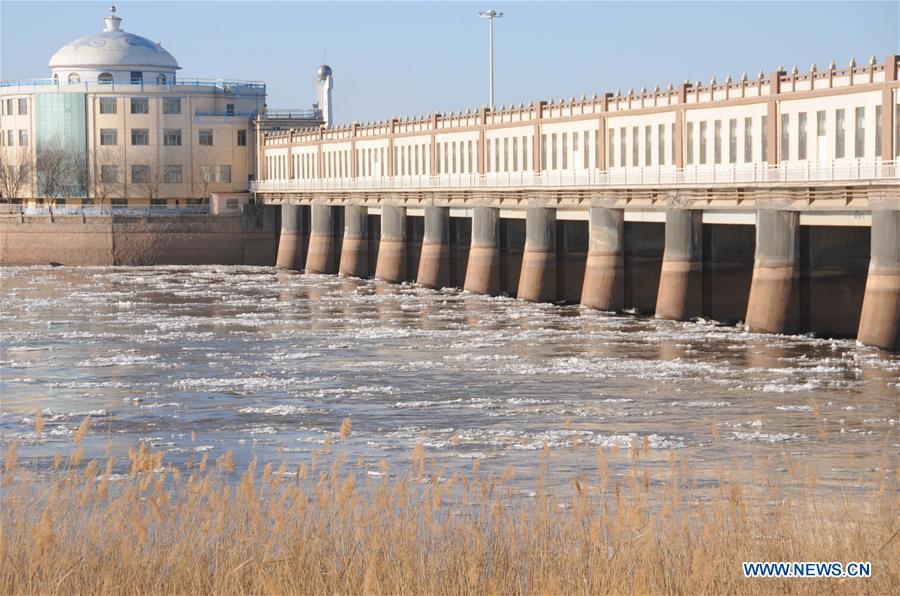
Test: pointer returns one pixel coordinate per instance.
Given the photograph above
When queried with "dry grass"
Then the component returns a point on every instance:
(329, 527)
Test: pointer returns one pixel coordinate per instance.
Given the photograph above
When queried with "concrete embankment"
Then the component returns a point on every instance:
(250, 238)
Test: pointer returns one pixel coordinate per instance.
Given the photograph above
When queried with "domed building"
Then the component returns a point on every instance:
(114, 125)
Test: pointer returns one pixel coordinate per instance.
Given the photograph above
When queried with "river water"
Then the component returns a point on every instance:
(268, 363)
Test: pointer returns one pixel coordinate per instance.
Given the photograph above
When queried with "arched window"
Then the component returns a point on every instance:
(161, 79)
(74, 78)
(55, 78)
(105, 78)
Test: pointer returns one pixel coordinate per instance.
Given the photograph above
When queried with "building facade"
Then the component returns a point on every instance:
(115, 125)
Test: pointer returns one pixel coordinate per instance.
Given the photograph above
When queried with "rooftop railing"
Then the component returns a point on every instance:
(226, 85)
(292, 114)
(856, 170)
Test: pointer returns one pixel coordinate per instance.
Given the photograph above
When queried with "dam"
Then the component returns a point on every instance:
(772, 201)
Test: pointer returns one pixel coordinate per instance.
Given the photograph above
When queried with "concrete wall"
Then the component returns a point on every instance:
(248, 239)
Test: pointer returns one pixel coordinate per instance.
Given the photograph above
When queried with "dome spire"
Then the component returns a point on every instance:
(112, 21)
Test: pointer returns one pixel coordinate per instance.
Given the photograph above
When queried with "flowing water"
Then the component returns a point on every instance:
(268, 363)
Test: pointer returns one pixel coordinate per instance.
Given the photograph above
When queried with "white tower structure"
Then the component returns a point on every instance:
(323, 93)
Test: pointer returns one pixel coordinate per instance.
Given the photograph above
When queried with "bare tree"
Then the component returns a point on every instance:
(60, 172)
(204, 173)
(150, 181)
(15, 174)
(104, 184)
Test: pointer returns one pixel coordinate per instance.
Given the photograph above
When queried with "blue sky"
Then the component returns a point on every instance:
(404, 58)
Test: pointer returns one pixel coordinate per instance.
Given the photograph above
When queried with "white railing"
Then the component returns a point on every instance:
(845, 170)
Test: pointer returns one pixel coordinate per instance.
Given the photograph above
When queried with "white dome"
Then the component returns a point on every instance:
(113, 49)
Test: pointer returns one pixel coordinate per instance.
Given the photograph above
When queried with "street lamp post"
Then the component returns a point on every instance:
(490, 15)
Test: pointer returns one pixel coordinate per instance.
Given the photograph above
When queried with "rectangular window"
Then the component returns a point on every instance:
(897, 130)
(732, 140)
(623, 145)
(801, 135)
(505, 154)
(107, 105)
(515, 151)
(839, 135)
(109, 174)
(648, 146)
(586, 150)
(702, 143)
(543, 152)
(635, 147)
(717, 141)
(23, 106)
(497, 155)
(661, 145)
(820, 123)
(877, 132)
(611, 149)
(119, 202)
(137, 77)
(672, 148)
(764, 137)
(172, 175)
(565, 151)
(157, 202)
(140, 105)
(140, 136)
(468, 158)
(229, 109)
(224, 173)
(11, 138)
(140, 174)
(860, 140)
(689, 144)
(748, 140)
(553, 151)
(785, 137)
(172, 137)
(109, 136)
(171, 105)
(242, 137)
(206, 136)
(437, 156)
(524, 153)
(23, 138)
(9, 107)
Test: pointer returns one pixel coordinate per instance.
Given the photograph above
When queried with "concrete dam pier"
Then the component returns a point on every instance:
(774, 270)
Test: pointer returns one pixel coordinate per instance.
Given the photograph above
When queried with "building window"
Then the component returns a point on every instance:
(172, 175)
(543, 152)
(748, 140)
(11, 138)
(119, 202)
(242, 137)
(206, 136)
(9, 107)
(635, 146)
(801, 135)
(732, 140)
(140, 105)
(611, 149)
(565, 151)
(689, 144)
(162, 79)
(839, 134)
(524, 153)
(878, 124)
(702, 143)
(897, 130)
(140, 174)
(74, 78)
(223, 174)
(171, 105)
(586, 150)
(140, 136)
(157, 203)
(554, 148)
(23, 138)
(107, 105)
(468, 158)
(109, 136)
(229, 109)
(764, 137)
(105, 78)
(23, 106)
(648, 146)
(172, 137)
(109, 174)
(137, 77)
(717, 141)
(860, 140)
(661, 145)
(623, 145)
(785, 137)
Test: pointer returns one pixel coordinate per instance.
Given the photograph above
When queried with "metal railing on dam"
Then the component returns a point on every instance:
(854, 171)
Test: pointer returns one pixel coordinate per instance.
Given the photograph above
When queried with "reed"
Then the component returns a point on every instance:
(328, 526)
